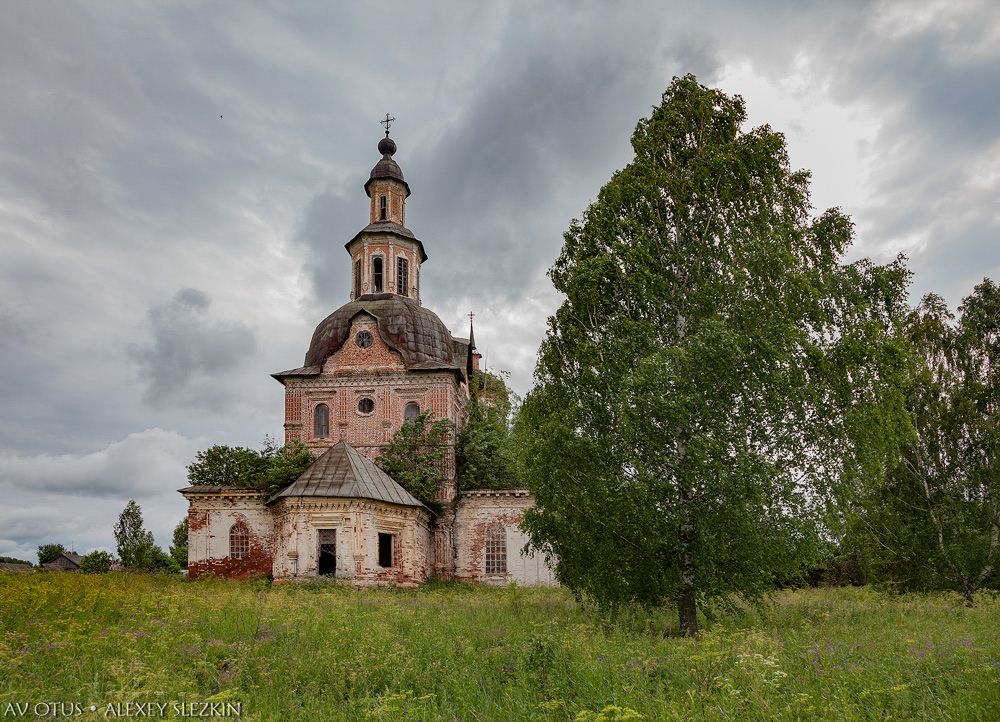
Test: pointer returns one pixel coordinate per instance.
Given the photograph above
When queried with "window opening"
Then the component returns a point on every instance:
(382, 208)
(357, 279)
(402, 276)
(377, 274)
(496, 549)
(384, 550)
(327, 562)
(321, 421)
(239, 541)
(366, 406)
(411, 411)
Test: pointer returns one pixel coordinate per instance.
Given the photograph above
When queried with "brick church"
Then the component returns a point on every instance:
(375, 362)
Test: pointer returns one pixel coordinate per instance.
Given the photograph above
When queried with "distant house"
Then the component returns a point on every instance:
(12, 567)
(65, 562)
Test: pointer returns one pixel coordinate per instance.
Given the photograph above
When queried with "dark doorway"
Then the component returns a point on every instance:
(385, 550)
(327, 552)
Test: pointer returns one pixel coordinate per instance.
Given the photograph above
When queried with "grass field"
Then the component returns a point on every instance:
(315, 652)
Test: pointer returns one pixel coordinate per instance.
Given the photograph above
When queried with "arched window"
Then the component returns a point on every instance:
(377, 274)
(496, 549)
(402, 277)
(411, 412)
(239, 541)
(383, 208)
(321, 421)
(357, 279)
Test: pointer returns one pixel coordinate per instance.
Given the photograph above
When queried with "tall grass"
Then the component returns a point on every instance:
(443, 652)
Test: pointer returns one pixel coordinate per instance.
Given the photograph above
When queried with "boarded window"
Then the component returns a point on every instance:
(321, 422)
(402, 276)
(357, 279)
(383, 208)
(377, 274)
(496, 549)
(239, 541)
(385, 550)
(411, 412)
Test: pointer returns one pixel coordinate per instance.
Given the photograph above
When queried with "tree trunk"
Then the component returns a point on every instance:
(687, 607)
(687, 610)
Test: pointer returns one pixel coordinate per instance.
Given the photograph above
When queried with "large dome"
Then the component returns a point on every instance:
(416, 332)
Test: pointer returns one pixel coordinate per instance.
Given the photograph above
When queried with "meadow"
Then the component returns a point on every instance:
(458, 652)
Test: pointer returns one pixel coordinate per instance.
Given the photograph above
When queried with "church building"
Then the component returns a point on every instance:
(373, 364)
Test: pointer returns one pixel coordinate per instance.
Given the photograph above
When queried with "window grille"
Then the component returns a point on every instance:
(239, 541)
(496, 549)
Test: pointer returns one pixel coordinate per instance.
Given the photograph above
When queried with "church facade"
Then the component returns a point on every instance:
(374, 363)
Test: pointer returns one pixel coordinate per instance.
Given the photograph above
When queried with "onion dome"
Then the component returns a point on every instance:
(387, 168)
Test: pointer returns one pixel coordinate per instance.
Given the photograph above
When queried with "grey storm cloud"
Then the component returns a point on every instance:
(223, 147)
(191, 357)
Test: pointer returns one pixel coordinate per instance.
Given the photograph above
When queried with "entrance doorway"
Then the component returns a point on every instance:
(327, 552)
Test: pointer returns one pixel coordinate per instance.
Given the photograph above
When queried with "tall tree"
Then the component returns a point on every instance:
(179, 548)
(134, 542)
(935, 523)
(714, 376)
(48, 552)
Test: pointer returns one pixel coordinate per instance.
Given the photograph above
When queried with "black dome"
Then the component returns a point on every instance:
(387, 167)
(416, 332)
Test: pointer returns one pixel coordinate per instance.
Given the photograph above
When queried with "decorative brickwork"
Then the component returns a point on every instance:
(356, 388)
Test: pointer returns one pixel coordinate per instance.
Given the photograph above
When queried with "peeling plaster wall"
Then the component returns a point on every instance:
(357, 524)
(476, 511)
(211, 516)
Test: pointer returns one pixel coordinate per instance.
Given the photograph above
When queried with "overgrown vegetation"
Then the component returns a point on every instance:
(417, 454)
(270, 468)
(484, 451)
(442, 652)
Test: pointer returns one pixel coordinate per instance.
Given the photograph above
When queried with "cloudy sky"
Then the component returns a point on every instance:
(177, 181)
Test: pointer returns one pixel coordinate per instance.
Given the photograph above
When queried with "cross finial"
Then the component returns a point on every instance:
(387, 122)
(471, 316)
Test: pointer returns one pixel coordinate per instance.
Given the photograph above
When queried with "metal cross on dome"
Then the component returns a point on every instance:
(387, 122)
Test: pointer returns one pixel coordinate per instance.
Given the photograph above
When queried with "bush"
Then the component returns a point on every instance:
(97, 562)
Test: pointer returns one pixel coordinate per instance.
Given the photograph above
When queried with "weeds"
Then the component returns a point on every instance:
(457, 651)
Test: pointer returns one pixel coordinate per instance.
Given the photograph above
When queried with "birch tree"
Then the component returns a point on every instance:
(715, 377)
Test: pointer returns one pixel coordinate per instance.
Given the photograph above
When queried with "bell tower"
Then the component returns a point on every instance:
(385, 255)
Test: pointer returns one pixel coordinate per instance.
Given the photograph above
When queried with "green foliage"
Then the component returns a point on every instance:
(286, 464)
(935, 523)
(179, 548)
(450, 651)
(136, 548)
(270, 469)
(96, 562)
(483, 449)
(14, 560)
(715, 379)
(221, 465)
(48, 552)
(416, 457)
